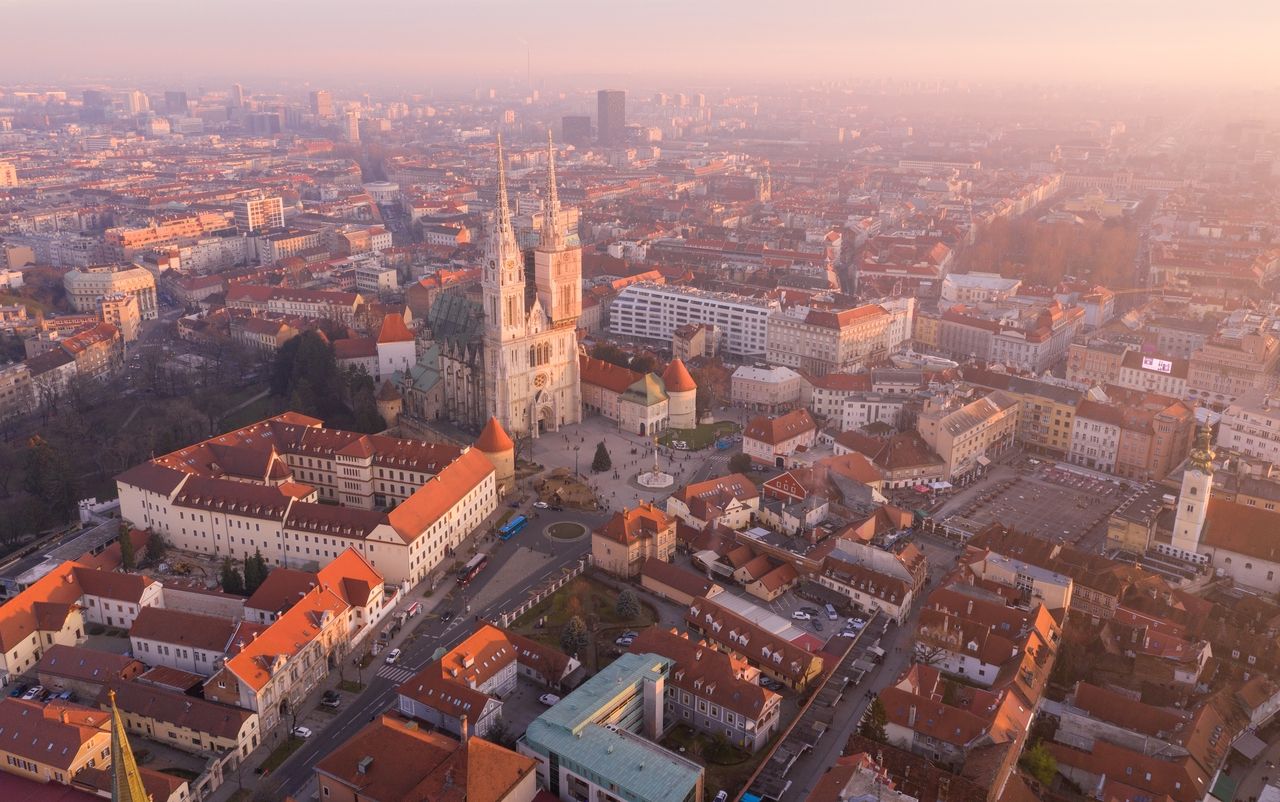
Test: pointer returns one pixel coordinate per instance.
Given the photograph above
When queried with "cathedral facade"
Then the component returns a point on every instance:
(531, 374)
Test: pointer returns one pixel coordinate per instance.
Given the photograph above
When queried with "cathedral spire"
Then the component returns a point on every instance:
(126, 781)
(552, 225)
(503, 237)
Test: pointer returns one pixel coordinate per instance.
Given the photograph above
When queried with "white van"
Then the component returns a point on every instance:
(831, 613)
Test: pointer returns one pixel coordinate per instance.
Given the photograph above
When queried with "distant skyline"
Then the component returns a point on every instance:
(412, 44)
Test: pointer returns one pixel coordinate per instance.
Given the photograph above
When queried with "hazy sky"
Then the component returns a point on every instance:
(424, 43)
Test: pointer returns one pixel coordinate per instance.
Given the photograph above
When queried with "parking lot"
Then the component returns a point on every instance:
(1050, 502)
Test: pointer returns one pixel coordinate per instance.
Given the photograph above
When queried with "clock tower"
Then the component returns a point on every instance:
(1193, 500)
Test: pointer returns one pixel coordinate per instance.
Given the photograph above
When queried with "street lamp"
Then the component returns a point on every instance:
(576, 450)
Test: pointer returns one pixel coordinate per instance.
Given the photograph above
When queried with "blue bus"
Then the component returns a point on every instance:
(513, 527)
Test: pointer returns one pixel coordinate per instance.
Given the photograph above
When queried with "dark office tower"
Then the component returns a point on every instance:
(611, 116)
(175, 102)
(96, 104)
(322, 103)
(236, 97)
(575, 129)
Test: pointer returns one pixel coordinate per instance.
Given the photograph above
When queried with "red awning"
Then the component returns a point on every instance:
(921, 489)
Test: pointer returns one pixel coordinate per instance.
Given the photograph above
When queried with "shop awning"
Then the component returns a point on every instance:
(921, 489)
(941, 485)
(983, 461)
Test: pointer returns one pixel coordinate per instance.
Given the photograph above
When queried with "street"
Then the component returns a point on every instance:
(420, 644)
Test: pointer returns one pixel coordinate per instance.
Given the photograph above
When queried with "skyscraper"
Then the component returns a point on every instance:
(351, 125)
(175, 102)
(236, 97)
(322, 103)
(611, 116)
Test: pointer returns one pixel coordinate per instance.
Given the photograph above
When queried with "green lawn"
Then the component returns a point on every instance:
(702, 437)
(281, 753)
(33, 306)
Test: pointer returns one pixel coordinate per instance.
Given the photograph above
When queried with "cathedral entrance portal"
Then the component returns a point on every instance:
(546, 420)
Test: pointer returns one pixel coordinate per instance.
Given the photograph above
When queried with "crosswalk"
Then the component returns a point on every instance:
(396, 674)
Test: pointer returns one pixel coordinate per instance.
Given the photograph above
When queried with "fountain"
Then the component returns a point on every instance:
(655, 479)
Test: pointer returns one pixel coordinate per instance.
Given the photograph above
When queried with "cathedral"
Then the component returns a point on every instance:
(531, 378)
(514, 357)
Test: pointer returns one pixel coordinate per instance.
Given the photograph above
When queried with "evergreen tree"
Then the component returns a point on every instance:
(157, 547)
(574, 637)
(601, 462)
(873, 721)
(231, 580)
(627, 606)
(255, 571)
(128, 558)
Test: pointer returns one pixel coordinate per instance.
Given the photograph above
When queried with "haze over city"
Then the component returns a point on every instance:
(666, 402)
(1181, 44)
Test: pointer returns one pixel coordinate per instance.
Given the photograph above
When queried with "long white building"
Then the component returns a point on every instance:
(654, 311)
(301, 494)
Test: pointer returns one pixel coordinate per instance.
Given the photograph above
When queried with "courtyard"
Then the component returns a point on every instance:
(596, 603)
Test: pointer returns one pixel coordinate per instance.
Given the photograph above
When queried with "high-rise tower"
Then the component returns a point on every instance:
(611, 116)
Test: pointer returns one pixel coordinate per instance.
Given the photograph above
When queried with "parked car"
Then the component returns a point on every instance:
(831, 613)
(542, 505)
(817, 624)
(624, 641)
(393, 657)
(330, 699)
(301, 732)
(549, 699)
(18, 690)
(33, 692)
(722, 796)
(800, 615)
(810, 610)
(856, 623)
(557, 508)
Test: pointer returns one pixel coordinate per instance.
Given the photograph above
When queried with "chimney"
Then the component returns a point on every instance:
(365, 762)
(911, 717)
(464, 731)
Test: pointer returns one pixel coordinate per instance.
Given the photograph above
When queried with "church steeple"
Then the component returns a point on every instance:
(553, 230)
(126, 782)
(502, 281)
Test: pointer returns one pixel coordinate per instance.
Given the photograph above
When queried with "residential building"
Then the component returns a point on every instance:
(1095, 362)
(903, 459)
(258, 214)
(764, 649)
(632, 536)
(317, 304)
(1250, 426)
(713, 692)
(819, 341)
(650, 311)
(52, 742)
(390, 760)
(967, 436)
(98, 351)
(184, 722)
(120, 309)
(182, 640)
(984, 642)
(772, 390)
(461, 693)
(675, 584)
(726, 501)
(694, 340)
(1241, 356)
(1046, 410)
(773, 440)
(86, 288)
(611, 117)
(17, 393)
(599, 741)
(1152, 374)
(84, 671)
(946, 731)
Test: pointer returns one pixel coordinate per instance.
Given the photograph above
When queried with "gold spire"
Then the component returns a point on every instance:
(552, 228)
(1202, 455)
(126, 782)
